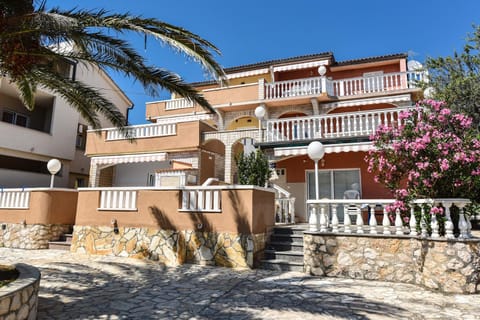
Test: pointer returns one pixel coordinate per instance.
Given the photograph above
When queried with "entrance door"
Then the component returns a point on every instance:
(332, 184)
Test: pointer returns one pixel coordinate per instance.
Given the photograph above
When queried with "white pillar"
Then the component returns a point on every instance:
(228, 163)
(94, 175)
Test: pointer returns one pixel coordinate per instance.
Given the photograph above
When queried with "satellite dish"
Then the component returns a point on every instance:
(414, 65)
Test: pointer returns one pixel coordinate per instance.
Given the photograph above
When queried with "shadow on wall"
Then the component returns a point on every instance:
(161, 218)
(241, 221)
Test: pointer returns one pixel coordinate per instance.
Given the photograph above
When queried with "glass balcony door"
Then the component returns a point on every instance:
(333, 184)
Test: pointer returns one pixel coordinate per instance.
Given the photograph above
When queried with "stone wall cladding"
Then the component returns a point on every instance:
(30, 236)
(19, 299)
(170, 247)
(447, 266)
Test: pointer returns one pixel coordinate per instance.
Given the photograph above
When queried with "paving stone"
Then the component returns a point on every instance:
(76, 286)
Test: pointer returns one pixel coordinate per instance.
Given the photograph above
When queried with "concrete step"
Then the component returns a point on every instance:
(288, 230)
(59, 245)
(67, 237)
(285, 246)
(281, 265)
(292, 238)
(290, 256)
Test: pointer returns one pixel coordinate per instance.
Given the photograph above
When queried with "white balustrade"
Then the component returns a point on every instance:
(293, 88)
(284, 205)
(142, 131)
(320, 211)
(201, 200)
(120, 200)
(181, 103)
(412, 223)
(330, 126)
(14, 199)
(285, 210)
(373, 84)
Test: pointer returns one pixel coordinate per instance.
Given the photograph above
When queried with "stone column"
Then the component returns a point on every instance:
(94, 175)
(228, 163)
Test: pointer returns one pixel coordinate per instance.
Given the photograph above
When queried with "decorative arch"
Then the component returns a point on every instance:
(243, 122)
(292, 114)
(357, 108)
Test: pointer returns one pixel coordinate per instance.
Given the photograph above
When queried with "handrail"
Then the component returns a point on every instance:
(349, 124)
(180, 103)
(375, 83)
(14, 199)
(142, 131)
(323, 217)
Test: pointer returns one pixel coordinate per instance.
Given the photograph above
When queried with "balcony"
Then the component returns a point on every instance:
(142, 131)
(289, 91)
(146, 138)
(329, 126)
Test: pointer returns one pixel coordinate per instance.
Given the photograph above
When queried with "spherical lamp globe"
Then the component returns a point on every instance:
(260, 112)
(315, 150)
(54, 165)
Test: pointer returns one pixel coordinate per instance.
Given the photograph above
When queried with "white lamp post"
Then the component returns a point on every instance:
(53, 166)
(316, 152)
(260, 114)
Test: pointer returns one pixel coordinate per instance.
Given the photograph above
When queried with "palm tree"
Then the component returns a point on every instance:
(34, 41)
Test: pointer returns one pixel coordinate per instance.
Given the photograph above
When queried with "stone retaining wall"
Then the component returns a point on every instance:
(30, 236)
(449, 266)
(171, 247)
(19, 299)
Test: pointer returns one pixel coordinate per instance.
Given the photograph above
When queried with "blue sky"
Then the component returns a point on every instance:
(250, 31)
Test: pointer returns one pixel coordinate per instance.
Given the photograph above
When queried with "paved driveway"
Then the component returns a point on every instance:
(97, 287)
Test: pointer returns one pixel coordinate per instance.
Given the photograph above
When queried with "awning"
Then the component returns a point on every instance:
(304, 65)
(329, 148)
(130, 158)
(247, 73)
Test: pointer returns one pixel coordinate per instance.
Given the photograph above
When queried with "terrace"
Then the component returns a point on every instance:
(293, 91)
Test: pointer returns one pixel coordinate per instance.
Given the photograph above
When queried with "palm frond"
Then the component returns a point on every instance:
(87, 100)
(33, 42)
(27, 90)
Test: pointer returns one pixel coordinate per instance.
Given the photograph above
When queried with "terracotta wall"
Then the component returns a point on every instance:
(251, 79)
(244, 211)
(232, 95)
(363, 108)
(358, 72)
(188, 137)
(46, 207)
(157, 109)
(297, 74)
(296, 167)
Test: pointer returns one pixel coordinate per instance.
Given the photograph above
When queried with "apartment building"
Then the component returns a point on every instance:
(29, 139)
(279, 106)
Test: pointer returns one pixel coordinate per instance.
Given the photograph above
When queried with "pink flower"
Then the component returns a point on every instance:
(445, 112)
(444, 165)
(436, 211)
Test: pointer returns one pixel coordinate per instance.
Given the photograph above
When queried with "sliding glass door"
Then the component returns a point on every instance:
(333, 184)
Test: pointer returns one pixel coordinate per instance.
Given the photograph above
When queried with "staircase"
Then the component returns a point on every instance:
(61, 244)
(284, 251)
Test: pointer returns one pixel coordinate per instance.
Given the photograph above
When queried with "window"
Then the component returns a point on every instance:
(81, 136)
(333, 183)
(15, 118)
(80, 183)
(150, 179)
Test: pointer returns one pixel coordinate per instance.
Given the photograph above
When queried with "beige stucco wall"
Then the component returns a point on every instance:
(188, 137)
(244, 211)
(46, 207)
(157, 109)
